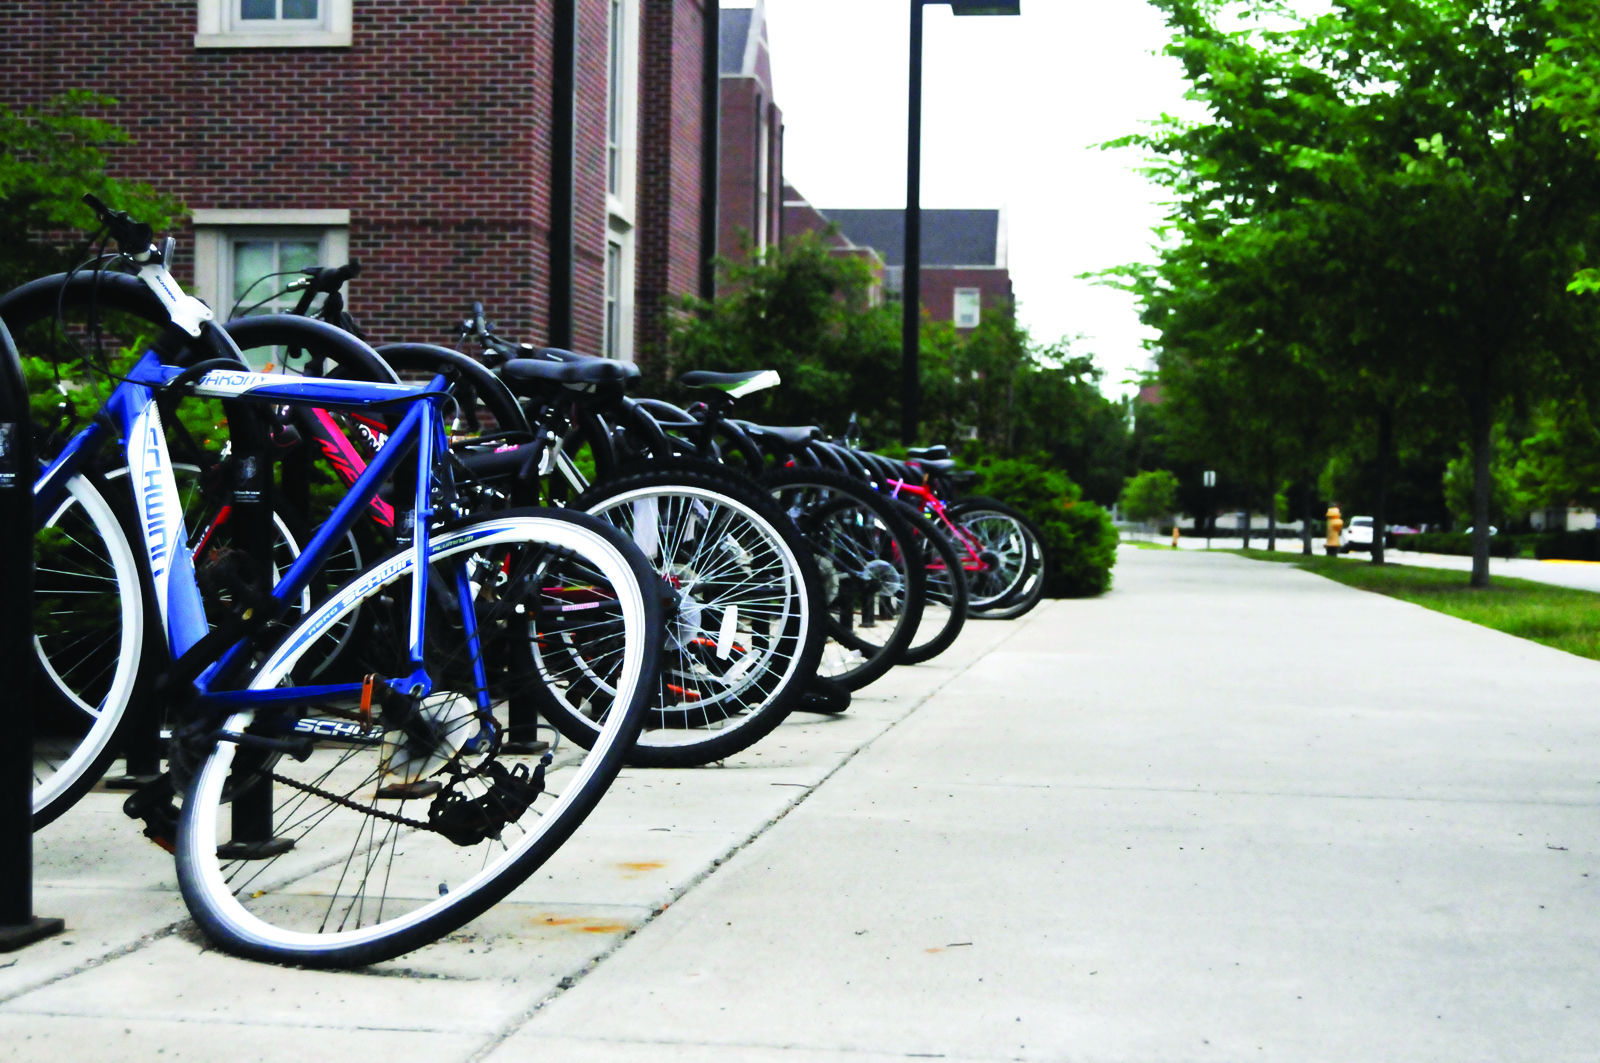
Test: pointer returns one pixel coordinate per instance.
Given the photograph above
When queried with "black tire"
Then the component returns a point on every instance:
(745, 634)
(944, 611)
(366, 806)
(1007, 532)
(873, 594)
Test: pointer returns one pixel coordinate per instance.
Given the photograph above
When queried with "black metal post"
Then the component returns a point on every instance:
(18, 925)
(710, 146)
(563, 158)
(911, 285)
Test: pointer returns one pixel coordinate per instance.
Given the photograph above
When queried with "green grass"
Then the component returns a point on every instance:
(1146, 544)
(1562, 617)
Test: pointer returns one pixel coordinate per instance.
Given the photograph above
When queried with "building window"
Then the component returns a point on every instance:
(616, 86)
(618, 340)
(968, 305)
(613, 296)
(239, 255)
(273, 23)
(763, 177)
(622, 118)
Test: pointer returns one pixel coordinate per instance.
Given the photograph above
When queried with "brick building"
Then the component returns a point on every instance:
(555, 159)
(750, 200)
(964, 268)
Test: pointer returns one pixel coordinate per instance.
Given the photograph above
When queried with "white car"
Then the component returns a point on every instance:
(1357, 534)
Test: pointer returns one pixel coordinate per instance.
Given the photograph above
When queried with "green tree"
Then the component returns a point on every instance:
(1375, 190)
(1150, 496)
(50, 155)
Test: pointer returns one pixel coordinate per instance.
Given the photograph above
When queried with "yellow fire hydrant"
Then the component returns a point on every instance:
(1335, 526)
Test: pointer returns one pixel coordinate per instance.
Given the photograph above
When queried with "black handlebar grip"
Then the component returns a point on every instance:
(133, 238)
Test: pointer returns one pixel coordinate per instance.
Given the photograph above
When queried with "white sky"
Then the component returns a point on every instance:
(1011, 111)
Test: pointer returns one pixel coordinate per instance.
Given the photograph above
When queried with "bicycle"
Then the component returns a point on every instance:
(350, 794)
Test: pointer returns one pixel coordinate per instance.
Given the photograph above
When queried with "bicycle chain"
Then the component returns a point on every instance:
(369, 810)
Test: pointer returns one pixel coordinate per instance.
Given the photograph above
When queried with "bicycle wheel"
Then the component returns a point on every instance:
(88, 623)
(944, 609)
(399, 826)
(742, 636)
(1014, 579)
(873, 581)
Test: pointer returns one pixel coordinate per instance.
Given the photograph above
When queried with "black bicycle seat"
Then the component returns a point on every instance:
(523, 374)
(734, 384)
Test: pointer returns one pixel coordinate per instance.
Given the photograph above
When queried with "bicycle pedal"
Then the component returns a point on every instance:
(409, 791)
(129, 782)
(262, 850)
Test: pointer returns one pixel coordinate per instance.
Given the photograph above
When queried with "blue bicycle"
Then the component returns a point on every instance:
(349, 819)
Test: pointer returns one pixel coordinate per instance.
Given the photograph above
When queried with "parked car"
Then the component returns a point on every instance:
(1357, 534)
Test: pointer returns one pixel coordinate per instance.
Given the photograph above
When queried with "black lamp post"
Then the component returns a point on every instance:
(911, 286)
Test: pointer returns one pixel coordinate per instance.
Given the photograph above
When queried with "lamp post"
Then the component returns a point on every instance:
(911, 284)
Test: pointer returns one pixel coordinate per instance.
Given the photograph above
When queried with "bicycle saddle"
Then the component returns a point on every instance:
(789, 437)
(521, 374)
(735, 385)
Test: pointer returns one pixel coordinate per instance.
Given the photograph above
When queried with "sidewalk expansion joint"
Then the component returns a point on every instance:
(100, 960)
(572, 980)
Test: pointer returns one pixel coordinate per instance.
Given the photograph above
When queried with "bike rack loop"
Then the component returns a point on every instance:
(18, 925)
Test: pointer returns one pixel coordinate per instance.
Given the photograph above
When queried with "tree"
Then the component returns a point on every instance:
(1374, 191)
(1150, 496)
(49, 157)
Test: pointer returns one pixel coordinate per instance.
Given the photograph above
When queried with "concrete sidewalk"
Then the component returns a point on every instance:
(1227, 810)
(1580, 575)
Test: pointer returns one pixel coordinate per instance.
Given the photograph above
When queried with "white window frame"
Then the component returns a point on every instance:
(618, 339)
(621, 201)
(957, 297)
(217, 25)
(215, 231)
(763, 174)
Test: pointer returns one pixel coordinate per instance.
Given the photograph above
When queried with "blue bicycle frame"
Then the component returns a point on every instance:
(131, 413)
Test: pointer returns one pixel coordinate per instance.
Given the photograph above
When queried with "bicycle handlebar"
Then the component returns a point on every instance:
(328, 279)
(134, 238)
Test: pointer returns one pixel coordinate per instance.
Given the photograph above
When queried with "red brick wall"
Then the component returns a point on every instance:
(743, 102)
(736, 172)
(433, 129)
(670, 178)
(937, 288)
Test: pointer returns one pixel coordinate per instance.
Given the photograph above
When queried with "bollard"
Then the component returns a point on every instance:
(1174, 536)
(18, 925)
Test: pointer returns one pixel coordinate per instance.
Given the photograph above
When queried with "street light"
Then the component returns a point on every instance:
(911, 285)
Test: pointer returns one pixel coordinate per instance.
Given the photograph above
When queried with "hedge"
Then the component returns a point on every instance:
(1080, 542)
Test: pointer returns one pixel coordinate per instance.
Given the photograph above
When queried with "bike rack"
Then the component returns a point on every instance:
(18, 925)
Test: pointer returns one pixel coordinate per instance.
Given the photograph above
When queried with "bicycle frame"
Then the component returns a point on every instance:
(131, 413)
(932, 503)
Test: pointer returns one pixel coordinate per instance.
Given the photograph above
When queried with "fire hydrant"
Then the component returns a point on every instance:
(1174, 536)
(1335, 526)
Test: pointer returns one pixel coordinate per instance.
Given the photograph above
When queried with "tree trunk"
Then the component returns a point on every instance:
(1272, 506)
(1305, 519)
(1482, 429)
(1380, 521)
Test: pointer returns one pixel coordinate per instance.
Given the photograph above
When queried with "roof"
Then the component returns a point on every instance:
(734, 38)
(949, 237)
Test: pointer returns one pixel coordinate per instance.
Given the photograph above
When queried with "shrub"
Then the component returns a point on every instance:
(1568, 545)
(1080, 542)
(1458, 543)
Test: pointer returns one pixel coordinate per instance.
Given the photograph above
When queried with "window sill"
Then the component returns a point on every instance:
(279, 39)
